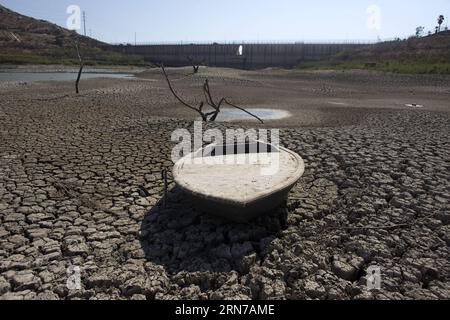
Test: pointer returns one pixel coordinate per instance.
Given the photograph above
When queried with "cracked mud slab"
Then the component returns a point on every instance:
(80, 185)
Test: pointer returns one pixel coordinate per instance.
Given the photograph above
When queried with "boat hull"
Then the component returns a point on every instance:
(238, 191)
(240, 212)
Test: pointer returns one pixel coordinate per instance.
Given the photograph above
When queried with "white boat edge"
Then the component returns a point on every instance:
(277, 189)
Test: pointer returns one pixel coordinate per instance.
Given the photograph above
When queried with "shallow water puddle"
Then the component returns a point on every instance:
(414, 105)
(338, 103)
(230, 114)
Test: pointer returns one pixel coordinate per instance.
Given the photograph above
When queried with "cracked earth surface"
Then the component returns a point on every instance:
(80, 185)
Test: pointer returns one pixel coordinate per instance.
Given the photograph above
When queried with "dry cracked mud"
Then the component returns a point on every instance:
(80, 185)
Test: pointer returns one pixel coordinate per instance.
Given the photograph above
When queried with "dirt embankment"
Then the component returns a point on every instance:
(434, 46)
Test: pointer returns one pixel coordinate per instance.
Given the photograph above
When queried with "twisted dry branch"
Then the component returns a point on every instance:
(195, 65)
(208, 116)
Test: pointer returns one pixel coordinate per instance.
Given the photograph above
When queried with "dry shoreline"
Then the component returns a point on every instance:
(80, 183)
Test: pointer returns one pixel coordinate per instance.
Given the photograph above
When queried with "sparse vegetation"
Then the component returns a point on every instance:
(419, 31)
(441, 19)
(395, 66)
(93, 57)
(415, 55)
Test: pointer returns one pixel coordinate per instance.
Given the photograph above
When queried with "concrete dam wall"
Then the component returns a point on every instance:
(244, 56)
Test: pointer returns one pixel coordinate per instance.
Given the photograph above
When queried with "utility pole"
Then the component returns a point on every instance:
(135, 37)
(84, 22)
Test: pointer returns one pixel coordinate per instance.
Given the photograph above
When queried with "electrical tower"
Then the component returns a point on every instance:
(84, 22)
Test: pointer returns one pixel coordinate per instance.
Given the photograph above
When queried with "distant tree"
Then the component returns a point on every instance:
(195, 64)
(440, 21)
(419, 31)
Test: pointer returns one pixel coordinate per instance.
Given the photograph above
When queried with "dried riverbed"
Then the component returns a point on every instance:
(80, 185)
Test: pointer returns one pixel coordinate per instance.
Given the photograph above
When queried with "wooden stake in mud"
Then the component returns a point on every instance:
(164, 177)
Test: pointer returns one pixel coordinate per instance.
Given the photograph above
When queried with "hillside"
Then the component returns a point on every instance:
(430, 54)
(435, 46)
(27, 40)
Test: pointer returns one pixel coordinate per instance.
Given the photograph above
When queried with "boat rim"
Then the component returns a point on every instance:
(293, 179)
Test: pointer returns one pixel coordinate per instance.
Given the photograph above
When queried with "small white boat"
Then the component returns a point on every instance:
(241, 181)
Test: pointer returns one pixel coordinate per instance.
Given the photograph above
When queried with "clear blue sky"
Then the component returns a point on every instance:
(240, 20)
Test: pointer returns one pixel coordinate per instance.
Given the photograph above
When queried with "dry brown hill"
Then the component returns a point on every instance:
(27, 40)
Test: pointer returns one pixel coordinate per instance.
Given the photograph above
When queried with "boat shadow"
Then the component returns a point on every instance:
(179, 237)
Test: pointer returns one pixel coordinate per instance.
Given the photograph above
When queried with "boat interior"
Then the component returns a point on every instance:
(247, 147)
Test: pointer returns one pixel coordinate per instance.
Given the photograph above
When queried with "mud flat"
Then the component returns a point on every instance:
(80, 185)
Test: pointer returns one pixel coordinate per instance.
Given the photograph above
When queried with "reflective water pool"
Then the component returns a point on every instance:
(231, 114)
(58, 76)
(414, 105)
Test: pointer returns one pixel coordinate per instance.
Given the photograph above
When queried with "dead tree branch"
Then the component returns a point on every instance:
(208, 116)
(198, 109)
(195, 65)
(242, 109)
(81, 67)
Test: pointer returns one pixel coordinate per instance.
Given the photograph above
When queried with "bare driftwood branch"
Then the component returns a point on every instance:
(194, 64)
(208, 116)
(198, 109)
(81, 67)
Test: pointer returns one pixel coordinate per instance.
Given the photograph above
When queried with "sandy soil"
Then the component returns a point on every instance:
(80, 184)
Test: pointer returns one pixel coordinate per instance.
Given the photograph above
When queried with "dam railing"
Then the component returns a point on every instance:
(237, 55)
